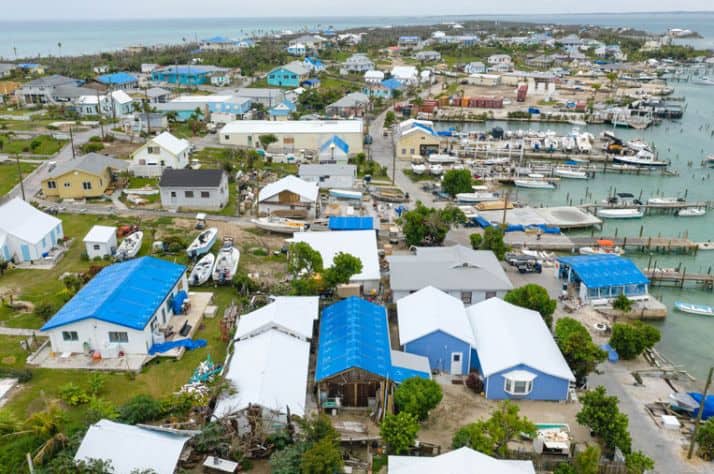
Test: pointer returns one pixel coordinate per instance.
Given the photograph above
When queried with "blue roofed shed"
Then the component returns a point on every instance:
(599, 278)
(355, 361)
(121, 79)
(351, 223)
(119, 308)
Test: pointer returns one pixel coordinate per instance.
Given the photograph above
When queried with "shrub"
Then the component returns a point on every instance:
(139, 409)
(418, 396)
(45, 310)
(399, 432)
(601, 414)
(72, 394)
(631, 340)
(622, 303)
(91, 147)
(474, 382)
(705, 439)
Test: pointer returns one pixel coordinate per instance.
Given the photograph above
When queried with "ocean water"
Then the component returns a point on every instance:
(686, 339)
(20, 39)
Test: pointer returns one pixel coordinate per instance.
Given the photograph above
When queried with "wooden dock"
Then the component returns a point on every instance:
(668, 277)
(650, 208)
(643, 244)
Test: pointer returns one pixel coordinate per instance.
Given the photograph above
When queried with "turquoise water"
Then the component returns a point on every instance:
(32, 38)
(687, 339)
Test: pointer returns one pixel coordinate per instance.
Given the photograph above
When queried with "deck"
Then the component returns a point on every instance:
(679, 278)
(194, 316)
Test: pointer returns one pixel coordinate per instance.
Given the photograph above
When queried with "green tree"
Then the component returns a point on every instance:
(622, 303)
(389, 119)
(418, 396)
(630, 340)
(303, 260)
(399, 432)
(319, 427)
(638, 463)
(492, 436)
(476, 240)
(601, 414)
(457, 181)
(577, 346)
(45, 426)
(344, 266)
(587, 461)
(427, 226)
(705, 440)
(45, 310)
(493, 240)
(324, 457)
(267, 140)
(288, 459)
(533, 297)
(139, 409)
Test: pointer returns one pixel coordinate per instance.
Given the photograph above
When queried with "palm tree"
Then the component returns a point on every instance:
(45, 425)
(59, 47)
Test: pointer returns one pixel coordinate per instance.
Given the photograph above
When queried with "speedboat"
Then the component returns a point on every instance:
(226, 262)
(497, 161)
(630, 213)
(662, 200)
(638, 145)
(477, 197)
(418, 169)
(345, 194)
(583, 142)
(201, 272)
(691, 308)
(570, 173)
(533, 184)
(692, 212)
(568, 143)
(600, 251)
(130, 246)
(203, 243)
(279, 225)
(709, 161)
(642, 158)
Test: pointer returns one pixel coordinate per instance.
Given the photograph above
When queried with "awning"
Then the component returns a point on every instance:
(520, 376)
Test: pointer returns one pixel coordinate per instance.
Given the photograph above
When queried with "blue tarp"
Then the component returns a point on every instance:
(177, 303)
(126, 293)
(189, 344)
(546, 229)
(481, 222)
(708, 404)
(515, 228)
(117, 78)
(602, 271)
(354, 334)
(351, 223)
(612, 354)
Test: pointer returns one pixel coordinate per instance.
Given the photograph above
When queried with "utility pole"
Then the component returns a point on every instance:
(71, 141)
(699, 415)
(99, 112)
(505, 207)
(19, 173)
(146, 111)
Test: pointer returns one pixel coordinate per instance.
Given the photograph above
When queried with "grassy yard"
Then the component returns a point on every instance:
(141, 182)
(40, 145)
(9, 175)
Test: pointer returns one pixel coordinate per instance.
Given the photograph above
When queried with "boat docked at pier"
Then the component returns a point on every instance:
(704, 81)
(643, 158)
(130, 246)
(201, 272)
(692, 212)
(692, 308)
(569, 173)
(226, 262)
(533, 183)
(203, 242)
(279, 225)
(480, 196)
(627, 213)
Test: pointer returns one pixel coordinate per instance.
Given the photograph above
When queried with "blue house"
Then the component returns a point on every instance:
(186, 105)
(313, 64)
(515, 353)
(433, 324)
(600, 278)
(119, 79)
(356, 365)
(282, 111)
(289, 75)
(385, 89)
(186, 75)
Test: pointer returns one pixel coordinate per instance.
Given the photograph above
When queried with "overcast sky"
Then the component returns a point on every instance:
(84, 9)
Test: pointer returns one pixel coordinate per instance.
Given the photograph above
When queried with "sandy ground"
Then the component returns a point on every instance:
(120, 149)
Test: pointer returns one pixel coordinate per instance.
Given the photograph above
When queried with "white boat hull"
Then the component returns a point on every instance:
(702, 310)
(476, 197)
(226, 265)
(280, 226)
(620, 213)
(203, 242)
(202, 271)
(530, 184)
(640, 162)
(130, 246)
(692, 212)
(570, 174)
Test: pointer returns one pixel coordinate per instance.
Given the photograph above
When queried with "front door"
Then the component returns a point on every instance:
(25, 252)
(456, 363)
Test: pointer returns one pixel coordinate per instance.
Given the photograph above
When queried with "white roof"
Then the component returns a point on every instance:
(429, 310)
(290, 314)
(100, 233)
(305, 189)
(25, 221)
(411, 361)
(173, 145)
(374, 74)
(404, 72)
(259, 127)
(202, 98)
(121, 97)
(461, 461)
(269, 370)
(507, 336)
(131, 448)
(359, 243)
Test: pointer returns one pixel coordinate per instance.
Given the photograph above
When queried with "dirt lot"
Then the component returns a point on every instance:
(119, 149)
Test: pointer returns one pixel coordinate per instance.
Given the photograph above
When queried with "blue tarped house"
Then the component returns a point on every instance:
(599, 278)
(356, 366)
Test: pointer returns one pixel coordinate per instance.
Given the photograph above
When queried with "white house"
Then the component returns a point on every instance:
(359, 243)
(373, 77)
(358, 62)
(407, 75)
(460, 461)
(499, 59)
(329, 175)
(157, 154)
(26, 233)
(133, 448)
(289, 193)
(101, 241)
(475, 67)
(293, 315)
(194, 189)
(121, 310)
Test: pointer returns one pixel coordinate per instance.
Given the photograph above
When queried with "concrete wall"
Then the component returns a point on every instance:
(438, 348)
(545, 387)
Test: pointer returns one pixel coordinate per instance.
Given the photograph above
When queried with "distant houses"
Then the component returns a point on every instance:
(44, 90)
(225, 107)
(340, 176)
(354, 104)
(194, 189)
(427, 56)
(119, 80)
(26, 233)
(158, 153)
(357, 63)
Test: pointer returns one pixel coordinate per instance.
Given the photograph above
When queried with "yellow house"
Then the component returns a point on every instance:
(416, 139)
(85, 177)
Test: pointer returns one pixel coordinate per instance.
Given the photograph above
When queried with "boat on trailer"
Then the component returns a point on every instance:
(692, 308)
(226, 262)
(201, 272)
(203, 242)
(279, 225)
(130, 246)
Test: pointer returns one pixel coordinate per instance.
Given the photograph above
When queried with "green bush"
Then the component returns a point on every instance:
(399, 432)
(418, 396)
(705, 440)
(91, 147)
(72, 394)
(139, 409)
(622, 303)
(631, 340)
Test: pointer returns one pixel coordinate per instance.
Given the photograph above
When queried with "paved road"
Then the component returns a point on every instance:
(18, 332)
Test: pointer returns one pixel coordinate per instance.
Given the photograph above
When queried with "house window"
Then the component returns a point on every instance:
(205, 194)
(466, 297)
(67, 184)
(70, 336)
(288, 141)
(95, 246)
(228, 137)
(51, 184)
(490, 294)
(188, 194)
(173, 194)
(118, 336)
(518, 382)
(86, 185)
(153, 150)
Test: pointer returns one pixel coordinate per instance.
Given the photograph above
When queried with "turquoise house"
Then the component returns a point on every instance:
(289, 75)
(282, 110)
(186, 75)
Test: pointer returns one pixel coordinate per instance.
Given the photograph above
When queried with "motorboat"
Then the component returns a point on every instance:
(345, 194)
(480, 196)
(583, 143)
(628, 213)
(705, 245)
(579, 123)
(709, 161)
(704, 81)
(638, 145)
(642, 158)
(497, 161)
(692, 212)
(662, 200)
(201, 272)
(533, 184)
(226, 262)
(279, 225)
(203, 242)
(441, 159)
(418, 169)
(568, 143)
(600, 251)
(130, 246)
(692, 308)
(570, 173)
(436, 169)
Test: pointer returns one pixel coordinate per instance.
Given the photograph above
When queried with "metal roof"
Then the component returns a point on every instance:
(26, 222)
(305, 189)
(350, 223)
(127, 294)
(172, 178)
(100, 233)
(291, 314)
(600, 271)
(118, 78)
(430, 310)
(92, 163)
(461, 460)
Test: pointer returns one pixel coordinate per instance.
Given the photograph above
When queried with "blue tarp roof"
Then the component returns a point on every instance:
(392, 84)
(127, 294)
(600, 271)
(354, 334)
(186, 69)
(338, 142)
(351, 223)
(117, 78)
(218, 40)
